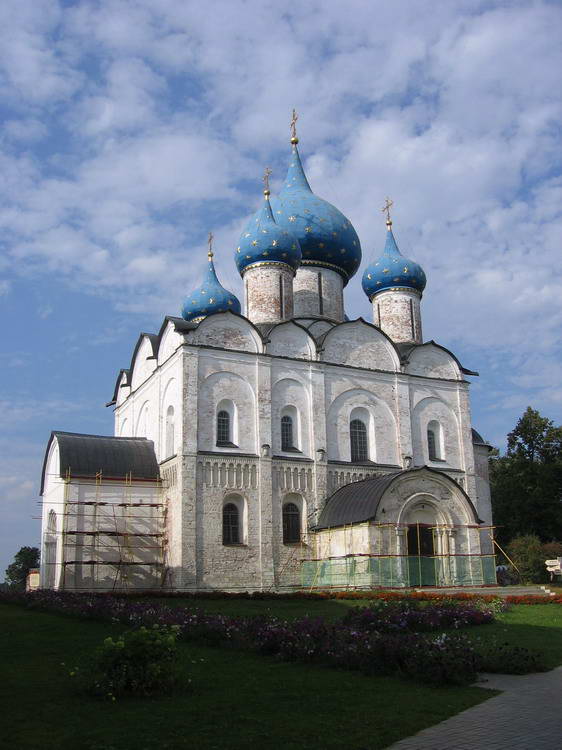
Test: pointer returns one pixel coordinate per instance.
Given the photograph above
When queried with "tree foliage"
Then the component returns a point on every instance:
(526, 483)
(16, 572)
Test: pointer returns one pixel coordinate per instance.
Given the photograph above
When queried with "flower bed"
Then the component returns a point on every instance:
(383, 638)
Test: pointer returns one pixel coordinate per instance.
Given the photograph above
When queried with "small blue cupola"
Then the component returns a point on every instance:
(210, 296)
(392, 269)
(265, 242)
(327, 238)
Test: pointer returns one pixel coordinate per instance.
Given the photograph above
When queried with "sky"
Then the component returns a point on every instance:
(132, 128)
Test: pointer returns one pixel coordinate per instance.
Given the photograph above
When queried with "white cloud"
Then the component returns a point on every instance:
(164, 114)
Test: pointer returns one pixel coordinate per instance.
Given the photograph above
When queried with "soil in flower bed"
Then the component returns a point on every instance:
(235, 698)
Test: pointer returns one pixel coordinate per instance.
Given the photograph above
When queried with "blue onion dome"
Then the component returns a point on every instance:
(392, 270)
(327, 238)
(265, 242)
(210, 297)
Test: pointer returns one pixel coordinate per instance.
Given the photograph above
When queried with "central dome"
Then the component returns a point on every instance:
(326, 237)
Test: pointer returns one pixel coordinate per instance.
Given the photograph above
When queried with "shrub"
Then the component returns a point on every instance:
(139, 662)
(526, 552)
(507, 659)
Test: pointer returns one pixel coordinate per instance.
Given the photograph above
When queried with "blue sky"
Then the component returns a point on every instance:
(133, 127)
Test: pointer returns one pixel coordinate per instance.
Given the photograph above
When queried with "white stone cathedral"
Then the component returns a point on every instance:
(284, 447)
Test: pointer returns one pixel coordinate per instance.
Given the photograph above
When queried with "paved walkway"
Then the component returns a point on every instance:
(526, 716)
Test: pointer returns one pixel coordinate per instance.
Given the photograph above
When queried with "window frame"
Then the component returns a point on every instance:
(291, 523)
(362, 455)
(231, 529)
(223, 418)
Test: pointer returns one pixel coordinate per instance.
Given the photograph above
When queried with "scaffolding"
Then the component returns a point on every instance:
(112, 535)
(392, 564)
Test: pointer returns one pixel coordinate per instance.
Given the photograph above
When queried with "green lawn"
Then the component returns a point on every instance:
(537, 626)
(238, 700)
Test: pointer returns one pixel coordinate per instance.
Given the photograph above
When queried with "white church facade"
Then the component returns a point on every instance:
(279, 446)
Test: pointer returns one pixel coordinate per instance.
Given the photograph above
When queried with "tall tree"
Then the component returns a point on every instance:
(526, 483)
(16, 573)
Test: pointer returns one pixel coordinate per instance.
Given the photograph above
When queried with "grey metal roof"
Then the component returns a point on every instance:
(477, 437)
(359, 501)
(116, 457)
(355, 502)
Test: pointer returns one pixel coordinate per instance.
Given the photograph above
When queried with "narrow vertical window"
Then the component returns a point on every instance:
(320, 295)
(281, 299)
(358, 440)
(434, 441)
(287, 433)
(230, 524)
(412, 319)
(223, 428)
(170, 437)
(291, 524)
(379, 313)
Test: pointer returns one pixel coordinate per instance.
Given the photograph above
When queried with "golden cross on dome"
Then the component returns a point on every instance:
(265, 179)
(294, 119)
(210, 243)
(386, 208)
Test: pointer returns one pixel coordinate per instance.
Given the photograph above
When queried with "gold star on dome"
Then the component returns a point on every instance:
(308, 229)
(343, 250)
(192, 301)
(238, 249)
(307, 211)
(230, 302)
(248, 233)
(292, 218)
(397, 279)
(254, 242)
(279, 212)
(379, 282)
(369, 276)
(203, 291)
(248, 257)
(274, 243)
(264, 231)
(283, 255)
(354, 242)
(294, 246)
(386, 270)
(334, 234)
(211, 300)
(265, 252)
(405, 269)
(320, 244)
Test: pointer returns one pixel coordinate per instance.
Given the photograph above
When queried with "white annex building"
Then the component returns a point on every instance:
(282, 446)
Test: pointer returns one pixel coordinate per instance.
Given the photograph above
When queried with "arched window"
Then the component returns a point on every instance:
(170, 438)
(434, 445)
(287, 443)
(291, 524)
(230, 524)
(358, 440)
(223, 428)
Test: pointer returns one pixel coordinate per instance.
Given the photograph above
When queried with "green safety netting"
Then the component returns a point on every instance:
(363, 571)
